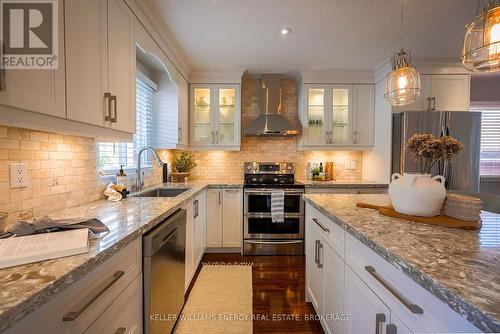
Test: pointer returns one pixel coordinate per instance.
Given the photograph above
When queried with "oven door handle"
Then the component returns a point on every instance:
(268, 192)
(274, 242)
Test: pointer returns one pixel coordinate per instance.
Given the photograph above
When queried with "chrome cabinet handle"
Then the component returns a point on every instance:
(195, 210)
(428, 103)
(73, 315)
(327, 230)
(391, 329)
(379, 320)
(213, 137)
(120, 330)
(114, 116)
(220, 192)
(218, 136)
(326, 137)
(331, 137)
(316, 251)
(320, 252)
(355, 137)
(179, 131)
(412, 307)
(433, 103)
(107, 113)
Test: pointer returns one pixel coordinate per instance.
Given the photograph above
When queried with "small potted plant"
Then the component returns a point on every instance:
(182, 164)
(421, 194)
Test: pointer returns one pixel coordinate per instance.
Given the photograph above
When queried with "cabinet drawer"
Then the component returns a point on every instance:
(417, 308)
(337, 190)
(97, 289)
(124, 315)
(333, 234)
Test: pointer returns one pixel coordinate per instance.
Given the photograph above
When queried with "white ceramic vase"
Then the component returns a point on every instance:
(417, 194)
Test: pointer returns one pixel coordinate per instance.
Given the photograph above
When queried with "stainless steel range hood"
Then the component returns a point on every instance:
(270, 123)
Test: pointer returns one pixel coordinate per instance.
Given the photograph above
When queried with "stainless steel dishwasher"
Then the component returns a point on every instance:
(163, 264)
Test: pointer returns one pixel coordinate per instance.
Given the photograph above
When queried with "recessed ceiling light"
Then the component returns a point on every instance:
(286, 31)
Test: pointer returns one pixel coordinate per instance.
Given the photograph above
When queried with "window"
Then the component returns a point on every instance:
(490, 142)
(111, 155)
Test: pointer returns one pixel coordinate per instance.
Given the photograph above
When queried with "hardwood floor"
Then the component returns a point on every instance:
(278, 292)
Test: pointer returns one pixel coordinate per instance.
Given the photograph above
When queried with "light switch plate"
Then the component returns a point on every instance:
(18, 175)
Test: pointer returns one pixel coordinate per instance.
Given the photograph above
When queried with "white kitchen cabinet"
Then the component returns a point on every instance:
(368, 314)
(100, 63)
(183, 113)
(215, 116)
(232, 218)
(124, 315)
(337, 116)
(447, 92)
(190, 244)
(224, 218)
(333, 287)
(214, 218)
(314, 273)
(41, 91)
(200, 227)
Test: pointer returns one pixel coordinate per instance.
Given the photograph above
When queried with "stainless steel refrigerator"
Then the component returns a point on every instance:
(462, 174)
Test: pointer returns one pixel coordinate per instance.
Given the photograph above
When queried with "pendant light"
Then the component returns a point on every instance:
(403, 82)
(481, 52)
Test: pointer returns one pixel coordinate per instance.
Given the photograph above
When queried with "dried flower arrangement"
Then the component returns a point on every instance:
(429, 149)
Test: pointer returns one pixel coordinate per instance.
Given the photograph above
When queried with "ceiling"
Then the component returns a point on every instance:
(220, 34)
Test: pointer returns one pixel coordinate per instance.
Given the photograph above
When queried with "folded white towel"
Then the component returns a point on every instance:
(113, 195)
(277, 206)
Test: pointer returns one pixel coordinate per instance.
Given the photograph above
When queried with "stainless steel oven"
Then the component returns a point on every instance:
(261, 236)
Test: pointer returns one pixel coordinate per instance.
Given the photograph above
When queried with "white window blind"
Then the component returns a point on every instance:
(490, 142)
(111, 155)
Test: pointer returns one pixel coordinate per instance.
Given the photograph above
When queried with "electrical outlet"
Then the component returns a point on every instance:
(18, 175)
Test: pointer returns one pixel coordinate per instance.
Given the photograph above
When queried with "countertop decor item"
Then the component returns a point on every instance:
(462, 207)
(421, 194)
(481, 51)
(441, 220)
(112, 191)
(403, 82)
(182, 164)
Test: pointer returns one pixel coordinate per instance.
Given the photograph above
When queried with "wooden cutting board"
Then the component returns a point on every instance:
(440, 220)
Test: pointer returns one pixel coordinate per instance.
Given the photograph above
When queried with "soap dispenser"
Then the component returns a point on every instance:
(121, 178)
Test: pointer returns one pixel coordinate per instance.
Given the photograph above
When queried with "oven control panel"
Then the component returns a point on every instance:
(269, 168)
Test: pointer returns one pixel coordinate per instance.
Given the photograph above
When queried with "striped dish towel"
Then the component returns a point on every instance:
(277, 206)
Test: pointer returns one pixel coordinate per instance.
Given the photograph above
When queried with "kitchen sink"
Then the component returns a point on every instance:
(161, 192)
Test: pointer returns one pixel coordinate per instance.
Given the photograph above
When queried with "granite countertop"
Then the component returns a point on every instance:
(26, 287)
(353, 183)
(462, 268)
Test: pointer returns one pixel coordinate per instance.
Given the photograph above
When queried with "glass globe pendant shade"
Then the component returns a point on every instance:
(403, 82)
(481, 52)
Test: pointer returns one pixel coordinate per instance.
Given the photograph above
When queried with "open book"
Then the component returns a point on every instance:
(33, 248)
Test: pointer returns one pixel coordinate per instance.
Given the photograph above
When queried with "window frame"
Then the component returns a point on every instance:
(482, 106)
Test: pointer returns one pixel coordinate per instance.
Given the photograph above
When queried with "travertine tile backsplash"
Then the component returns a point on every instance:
(61, 172)
(221, 165)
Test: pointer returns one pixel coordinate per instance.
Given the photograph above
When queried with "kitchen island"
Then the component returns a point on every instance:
(460, 268)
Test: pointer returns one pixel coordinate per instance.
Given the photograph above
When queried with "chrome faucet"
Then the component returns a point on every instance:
(140, 181)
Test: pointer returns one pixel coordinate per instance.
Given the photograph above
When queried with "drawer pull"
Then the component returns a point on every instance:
(391, 329)
(379, 320)
(316, 251)
(120, 330)
(71, 316)
(320, 252)
(412, 307)
(327, 230)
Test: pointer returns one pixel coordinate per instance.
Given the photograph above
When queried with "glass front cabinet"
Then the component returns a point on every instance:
(215, 116)
(331, 117)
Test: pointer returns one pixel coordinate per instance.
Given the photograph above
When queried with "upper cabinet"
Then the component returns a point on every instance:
(337, 116)
(100, 62)
(40, 90)
(442, 92)
(215, 116)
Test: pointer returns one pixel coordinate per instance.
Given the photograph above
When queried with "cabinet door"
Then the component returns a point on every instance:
(86, 60)
(367, 311)
(314, 272)
(227, 116)
(232, 218)
(314, 108)
(422, 102)
(364, 115)
(333, 287)
(339, 116)
(124, 315)
(190, 244)
(41, 91)
(202, 218)
(183, 111)
(450, 92)
(214, 218)
(202, 131)
(121, 65)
